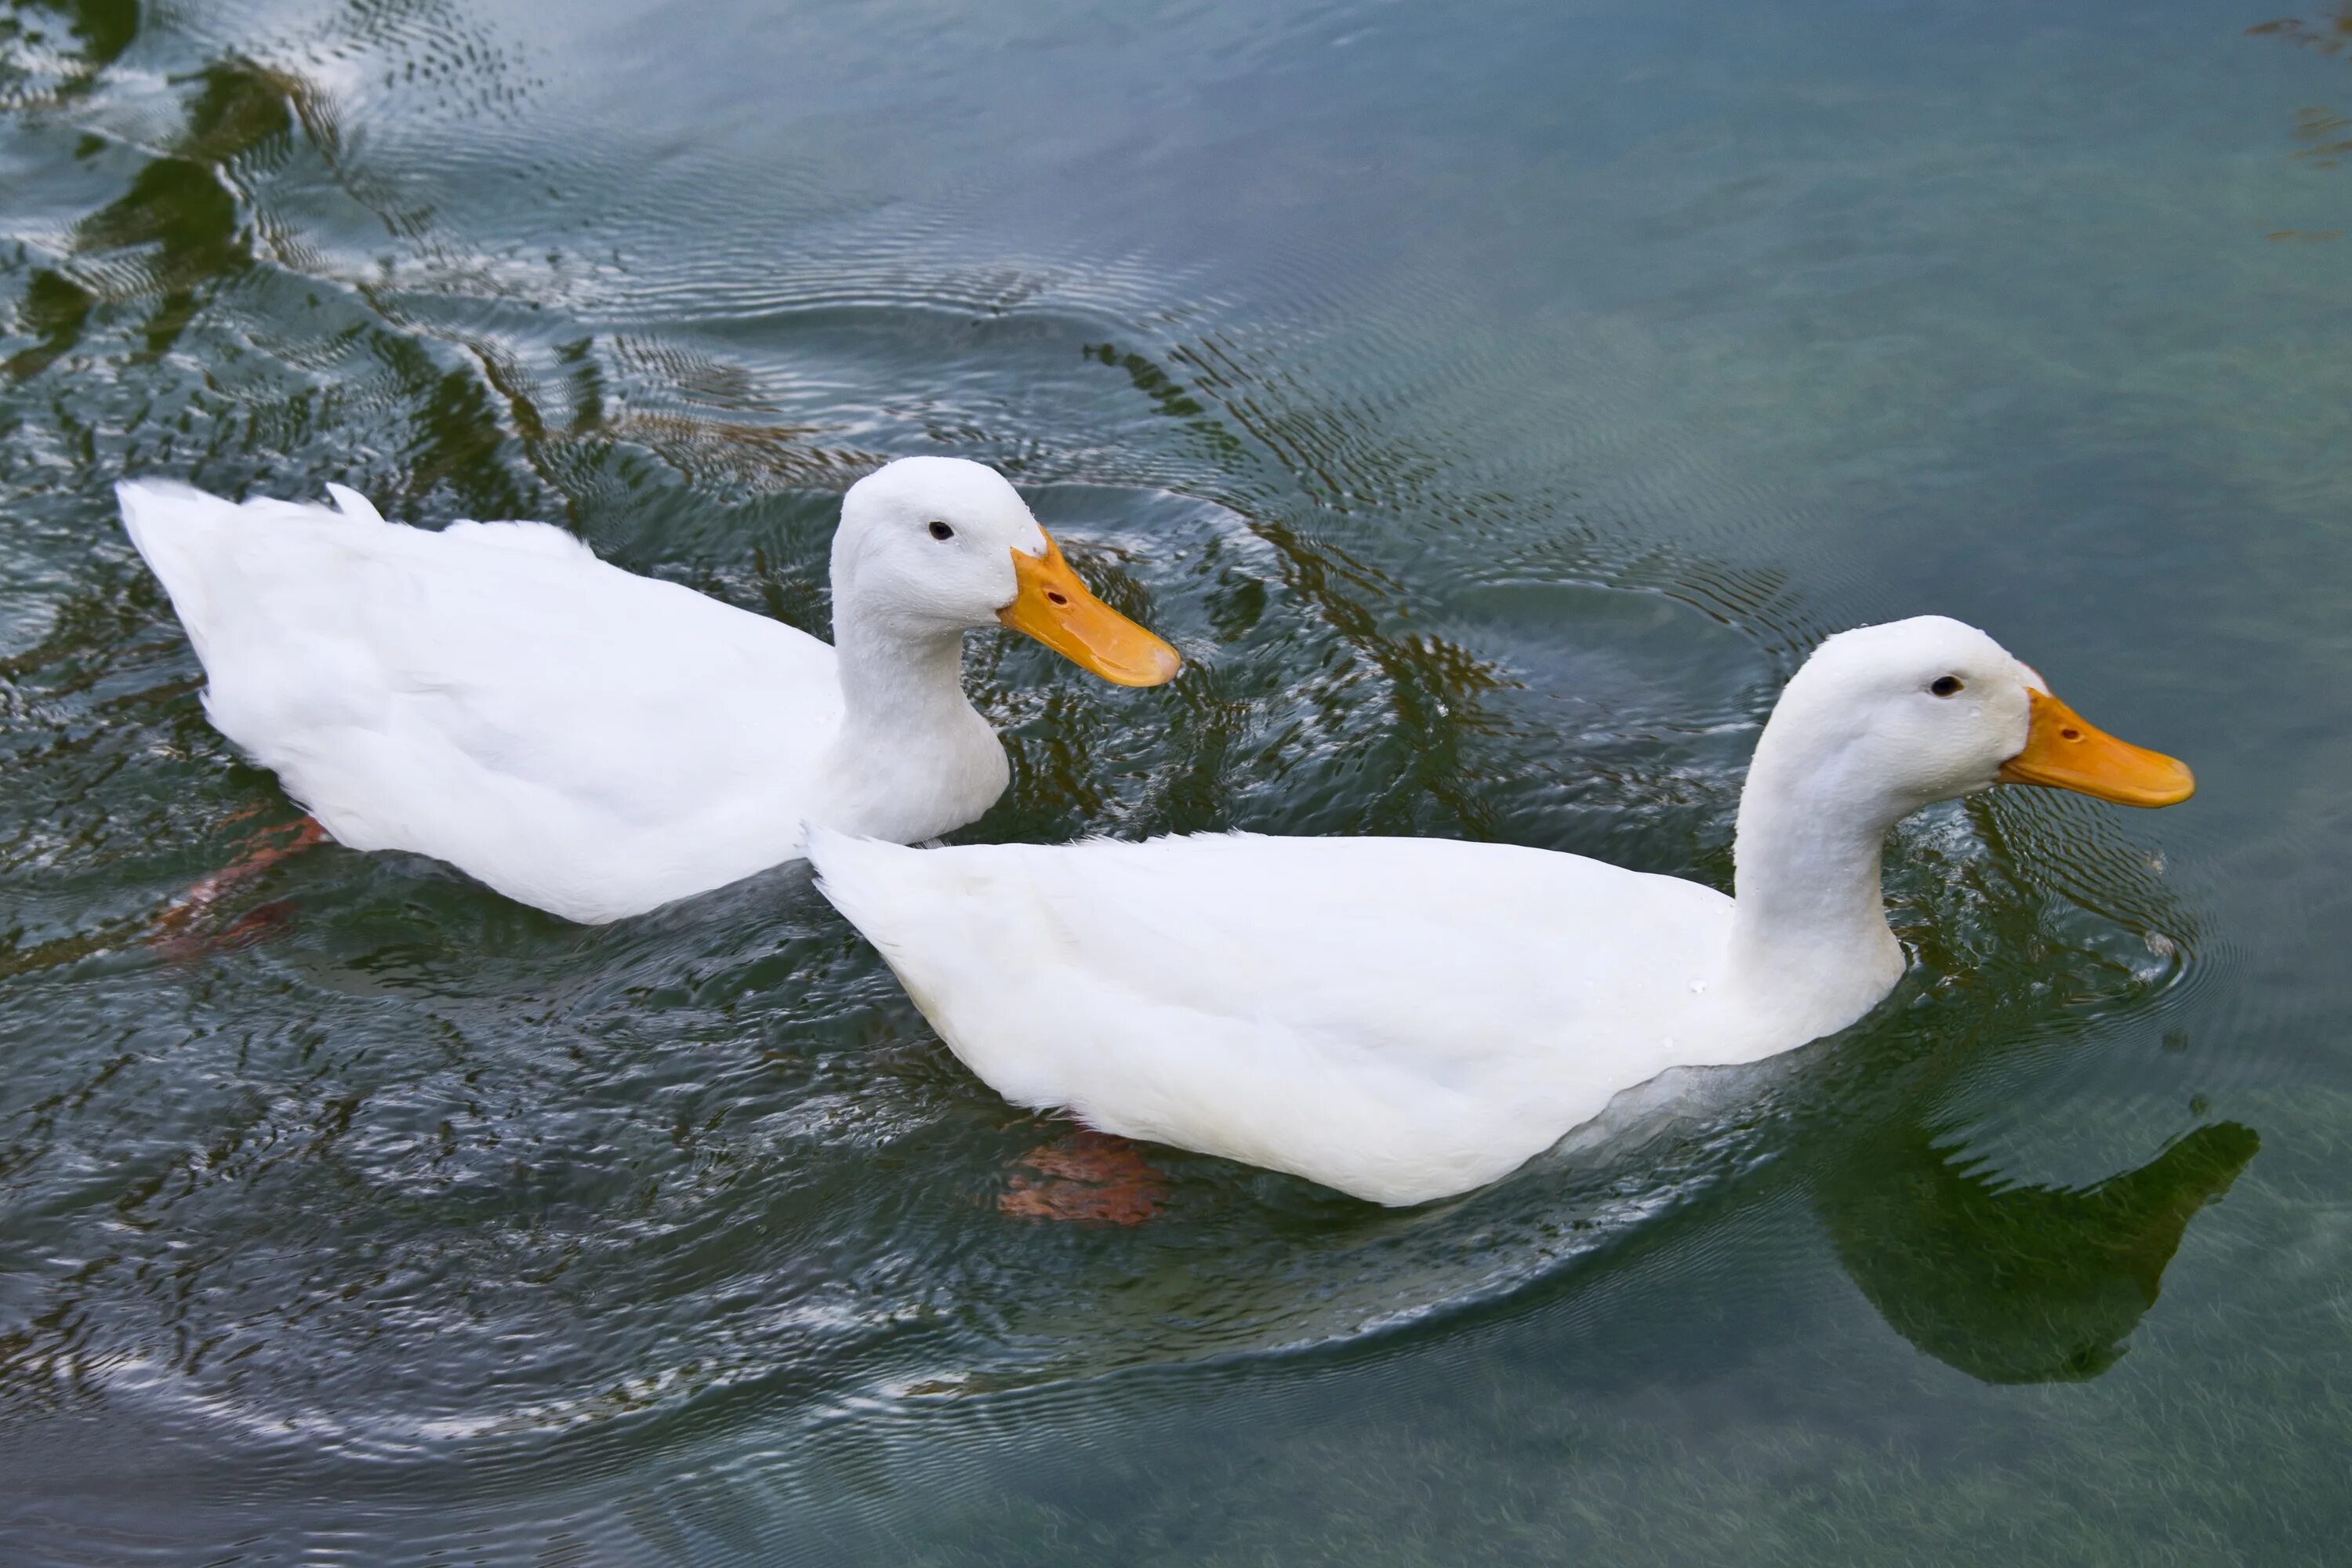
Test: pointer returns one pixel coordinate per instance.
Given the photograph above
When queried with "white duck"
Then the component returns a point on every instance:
(596, 742)
(1407, 1018)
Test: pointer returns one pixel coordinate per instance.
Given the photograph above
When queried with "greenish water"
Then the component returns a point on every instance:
(1494, 402)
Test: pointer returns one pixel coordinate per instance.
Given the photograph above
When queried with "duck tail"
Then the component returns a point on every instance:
(849, 870)
(172, 525)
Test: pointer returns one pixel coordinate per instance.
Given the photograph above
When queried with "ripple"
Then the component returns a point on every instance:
(659, 1229)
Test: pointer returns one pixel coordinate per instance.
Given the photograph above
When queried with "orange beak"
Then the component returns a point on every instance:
(1052, 605)
(2066, 752)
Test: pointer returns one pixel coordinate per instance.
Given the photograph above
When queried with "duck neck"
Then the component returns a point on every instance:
(902, 682)
(1810, 920)
(913, 758)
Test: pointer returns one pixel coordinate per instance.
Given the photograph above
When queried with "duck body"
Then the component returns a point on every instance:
(1400, 1018)
(580, 738)
(1406, 1019)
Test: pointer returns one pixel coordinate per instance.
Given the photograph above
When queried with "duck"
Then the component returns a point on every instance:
(597, 743)
(1408, 1019)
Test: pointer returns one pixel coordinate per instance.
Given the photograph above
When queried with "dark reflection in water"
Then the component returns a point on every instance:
(2017, 1283)
(40, 70)
(2006, 1279)
(2322, 131)
(176, 229)
(2330, 36)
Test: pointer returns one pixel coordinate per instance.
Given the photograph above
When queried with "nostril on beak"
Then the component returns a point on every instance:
(2070, 733)
(1058, 599)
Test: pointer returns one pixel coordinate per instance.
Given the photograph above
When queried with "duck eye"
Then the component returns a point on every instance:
(941, 531)
(1945, 685)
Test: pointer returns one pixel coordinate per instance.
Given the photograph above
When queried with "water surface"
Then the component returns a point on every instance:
(1494, 403)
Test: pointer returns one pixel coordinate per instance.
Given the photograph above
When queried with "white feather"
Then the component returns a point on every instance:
(1406, 1019)
(580, 738)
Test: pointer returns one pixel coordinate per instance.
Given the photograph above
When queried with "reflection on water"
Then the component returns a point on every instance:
(2017, 1283)
(436, 1204)
(54, 51)
(2330, 36)
(176, 230)
(2321, 131)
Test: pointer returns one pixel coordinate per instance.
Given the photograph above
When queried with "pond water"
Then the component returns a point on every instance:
(1494, 402)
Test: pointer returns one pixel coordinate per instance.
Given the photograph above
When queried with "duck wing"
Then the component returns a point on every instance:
(1400, 1018)
(580, 738)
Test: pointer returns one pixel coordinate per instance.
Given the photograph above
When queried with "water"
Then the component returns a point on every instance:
(1494, 404)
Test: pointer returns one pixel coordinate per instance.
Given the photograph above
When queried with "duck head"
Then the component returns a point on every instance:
(933, 546)
(1902, 715)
